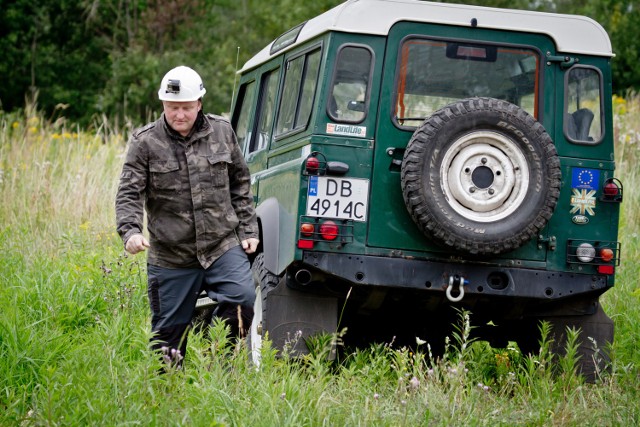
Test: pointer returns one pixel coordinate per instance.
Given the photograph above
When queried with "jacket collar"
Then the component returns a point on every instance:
(201, 128)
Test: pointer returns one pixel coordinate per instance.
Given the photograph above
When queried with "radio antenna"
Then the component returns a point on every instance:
(235, 77)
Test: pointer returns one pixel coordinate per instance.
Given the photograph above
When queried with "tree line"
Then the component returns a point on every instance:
(85, 59)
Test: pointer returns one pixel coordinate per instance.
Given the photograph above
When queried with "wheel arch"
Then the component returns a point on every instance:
(270, 217)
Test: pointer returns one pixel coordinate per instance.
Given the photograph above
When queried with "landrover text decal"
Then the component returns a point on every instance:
(335, 129)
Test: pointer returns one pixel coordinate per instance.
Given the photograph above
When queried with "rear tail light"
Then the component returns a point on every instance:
(606, 254)
(312, 165)
(601, 254)
(313, 230)
(329, 230)
(307, 229)
(606, 269)
(612, 191)
(317, 164)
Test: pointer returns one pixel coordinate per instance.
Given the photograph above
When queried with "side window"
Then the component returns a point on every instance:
(349, 91)
(298, 94)
(434, 73)
(246, 97)
(583, 110)
(266, 111)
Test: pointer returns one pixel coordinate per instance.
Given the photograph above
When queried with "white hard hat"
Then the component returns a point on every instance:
(181, 84)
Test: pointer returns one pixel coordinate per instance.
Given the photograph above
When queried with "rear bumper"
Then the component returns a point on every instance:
(480, 280)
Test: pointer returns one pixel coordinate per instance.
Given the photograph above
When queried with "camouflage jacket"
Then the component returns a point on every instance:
(196, 191)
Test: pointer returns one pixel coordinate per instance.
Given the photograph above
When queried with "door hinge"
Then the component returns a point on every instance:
(563, 60)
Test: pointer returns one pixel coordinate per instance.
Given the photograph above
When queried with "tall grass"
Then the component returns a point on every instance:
(74, 324)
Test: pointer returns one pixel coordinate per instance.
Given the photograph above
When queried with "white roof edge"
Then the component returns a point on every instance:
(571, 33)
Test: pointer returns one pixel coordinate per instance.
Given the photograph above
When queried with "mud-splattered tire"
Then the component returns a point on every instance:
(265, 282)
(481, 176)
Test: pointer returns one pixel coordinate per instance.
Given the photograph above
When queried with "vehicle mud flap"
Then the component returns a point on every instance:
(294, 316)
(596, 337)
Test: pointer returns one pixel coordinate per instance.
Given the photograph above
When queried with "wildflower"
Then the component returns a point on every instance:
(430, 372)
(419, 341)
(15, 125)
(376, 396)
(403, 402)
(483, 387)
(283, 396)
(414, 383)
(171, 356)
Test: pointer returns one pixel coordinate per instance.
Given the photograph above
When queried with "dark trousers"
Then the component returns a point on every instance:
(173, 293)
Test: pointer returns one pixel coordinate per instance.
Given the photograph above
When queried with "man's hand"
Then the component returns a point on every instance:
(136, 243)
(250, 245)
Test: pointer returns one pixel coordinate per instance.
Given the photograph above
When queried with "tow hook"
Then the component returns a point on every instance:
(458, 281)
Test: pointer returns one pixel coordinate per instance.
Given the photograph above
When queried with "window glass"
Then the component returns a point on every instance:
(583, 110)
(266, 111)
(434, 73)
(246, 97)
(308, 89)
(347, 99)
(289, 100)
(298, 93)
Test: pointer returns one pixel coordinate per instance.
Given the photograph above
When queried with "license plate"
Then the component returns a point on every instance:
(341, 198)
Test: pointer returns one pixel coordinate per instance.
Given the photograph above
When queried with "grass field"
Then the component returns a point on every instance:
(74, 323)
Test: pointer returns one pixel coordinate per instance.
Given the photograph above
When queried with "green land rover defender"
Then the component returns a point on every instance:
(412, 158)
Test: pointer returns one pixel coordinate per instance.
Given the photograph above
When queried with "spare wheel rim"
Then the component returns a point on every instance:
(484, 176)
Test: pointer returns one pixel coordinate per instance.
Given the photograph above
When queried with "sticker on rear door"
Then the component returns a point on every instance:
(341, 198)
(348, 130)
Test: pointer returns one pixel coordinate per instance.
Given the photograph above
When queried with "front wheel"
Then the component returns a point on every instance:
(265, 282)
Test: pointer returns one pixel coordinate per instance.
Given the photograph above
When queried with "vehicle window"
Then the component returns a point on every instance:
(298, 93)
(349, 89)
(434, 73)
(583, 89)
(246, 96)
(266, 111)
(308, 89)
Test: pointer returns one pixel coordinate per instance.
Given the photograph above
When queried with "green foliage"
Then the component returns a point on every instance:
(106, 57)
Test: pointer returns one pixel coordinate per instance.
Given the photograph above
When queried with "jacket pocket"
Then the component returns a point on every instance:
(219, 167)
(165, 174)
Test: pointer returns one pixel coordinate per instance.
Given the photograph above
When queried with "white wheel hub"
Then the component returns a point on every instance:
(484, 176)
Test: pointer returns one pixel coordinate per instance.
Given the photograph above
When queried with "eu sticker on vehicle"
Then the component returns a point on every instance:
(341, 198)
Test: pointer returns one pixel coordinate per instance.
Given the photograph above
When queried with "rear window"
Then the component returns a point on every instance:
(583, 106)
(434, 73)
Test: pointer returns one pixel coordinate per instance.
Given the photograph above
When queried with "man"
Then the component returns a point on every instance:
(186, 169)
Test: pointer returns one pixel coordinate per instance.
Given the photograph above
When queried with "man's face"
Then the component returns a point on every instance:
(181, 115)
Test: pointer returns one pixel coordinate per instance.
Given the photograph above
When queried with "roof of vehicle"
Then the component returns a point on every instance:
(571, 33)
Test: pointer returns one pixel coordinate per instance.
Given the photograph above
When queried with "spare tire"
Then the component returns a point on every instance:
(481, 176)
